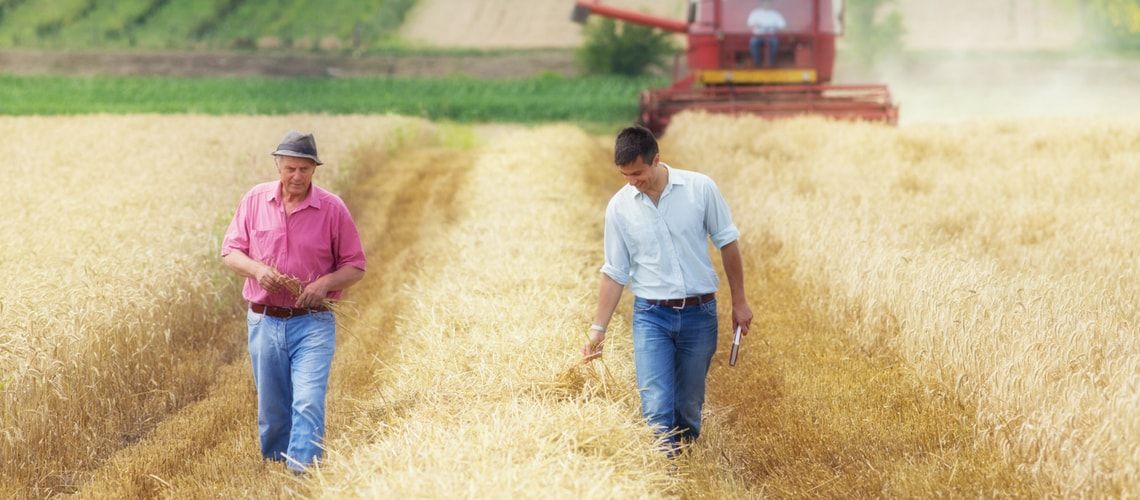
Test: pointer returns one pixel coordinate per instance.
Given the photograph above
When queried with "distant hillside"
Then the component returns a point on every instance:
(181, 24)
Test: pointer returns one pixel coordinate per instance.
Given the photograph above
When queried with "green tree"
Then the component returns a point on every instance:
(871, 31)
(625, 49)
(1113, 22)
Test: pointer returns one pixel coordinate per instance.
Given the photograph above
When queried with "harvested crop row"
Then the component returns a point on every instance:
(999, 260)
(486, 396)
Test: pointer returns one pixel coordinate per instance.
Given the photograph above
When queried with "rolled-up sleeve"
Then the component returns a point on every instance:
(237, 234)
(718, 218)
(349, 250)
(617, 253)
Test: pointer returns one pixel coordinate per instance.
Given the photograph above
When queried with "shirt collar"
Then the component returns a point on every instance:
(674, 180)
(311, 199)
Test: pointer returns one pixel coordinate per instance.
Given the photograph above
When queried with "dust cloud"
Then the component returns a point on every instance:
(1001, 59)
(964, 87)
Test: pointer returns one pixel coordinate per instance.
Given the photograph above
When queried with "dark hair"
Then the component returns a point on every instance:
(634, 142)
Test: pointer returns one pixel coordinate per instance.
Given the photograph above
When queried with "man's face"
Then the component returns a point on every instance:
(296, 174)
(640, 174)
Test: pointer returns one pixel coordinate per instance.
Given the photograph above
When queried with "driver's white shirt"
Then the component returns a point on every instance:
(765, 21)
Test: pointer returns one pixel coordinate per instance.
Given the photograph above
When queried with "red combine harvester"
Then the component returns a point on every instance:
(722, 77)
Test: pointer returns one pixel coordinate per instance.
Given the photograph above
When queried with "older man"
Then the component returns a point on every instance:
(656, 241)
(298, 248)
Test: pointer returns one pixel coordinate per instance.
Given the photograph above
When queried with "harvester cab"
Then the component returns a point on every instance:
(724, 72)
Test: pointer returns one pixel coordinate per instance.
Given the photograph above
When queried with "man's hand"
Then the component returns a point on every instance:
(313, 294)
(593, 348)
(741, 316)
(273, 281)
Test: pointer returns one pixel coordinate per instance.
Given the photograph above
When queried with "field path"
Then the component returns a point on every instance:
(209, 449)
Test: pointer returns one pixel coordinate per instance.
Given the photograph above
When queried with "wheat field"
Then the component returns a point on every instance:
(115, 311)
(941, 311)
(999, 259)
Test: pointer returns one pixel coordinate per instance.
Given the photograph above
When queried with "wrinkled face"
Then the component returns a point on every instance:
(639, 174)
(296, 174)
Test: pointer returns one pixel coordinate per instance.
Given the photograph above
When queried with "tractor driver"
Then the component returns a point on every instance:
(765, 22)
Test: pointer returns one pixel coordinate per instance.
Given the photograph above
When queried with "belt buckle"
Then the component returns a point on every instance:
(682, 306)
(288, 312)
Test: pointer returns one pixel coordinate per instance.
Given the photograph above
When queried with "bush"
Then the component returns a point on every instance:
(1112, 23)
(871, 35)
(628, 49)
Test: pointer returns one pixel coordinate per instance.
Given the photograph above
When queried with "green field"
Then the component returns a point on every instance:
(181, 24)
(601, 100)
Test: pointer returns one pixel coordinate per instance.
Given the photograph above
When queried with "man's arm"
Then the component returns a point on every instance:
(342, 278)
(269, 278)
(734, 269)
(609, 294)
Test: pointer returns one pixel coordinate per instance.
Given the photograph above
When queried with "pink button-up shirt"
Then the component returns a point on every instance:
(318, 238)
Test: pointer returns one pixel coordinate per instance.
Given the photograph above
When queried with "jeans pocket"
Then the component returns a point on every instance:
(252, 318)
(640, 307)
(709, 308)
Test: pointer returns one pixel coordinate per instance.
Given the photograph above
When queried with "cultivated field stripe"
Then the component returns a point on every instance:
(809, 411)
(998, 260)
(115, 303)
(210, 449)
(806, 412)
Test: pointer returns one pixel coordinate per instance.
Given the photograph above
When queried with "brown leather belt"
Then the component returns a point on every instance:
(695, 300)
(284, 312)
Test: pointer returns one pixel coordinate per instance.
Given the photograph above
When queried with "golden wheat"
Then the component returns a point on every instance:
(114, 298)
(1000, 259)
(486, 395)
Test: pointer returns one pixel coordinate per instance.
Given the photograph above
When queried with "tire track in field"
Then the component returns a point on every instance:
(210, 449)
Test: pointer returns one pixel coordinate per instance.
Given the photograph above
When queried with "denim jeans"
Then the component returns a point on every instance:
(672, 349)
(770, 42)
(291, 359)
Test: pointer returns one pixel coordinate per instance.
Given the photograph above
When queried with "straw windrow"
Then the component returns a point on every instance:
(487, 395)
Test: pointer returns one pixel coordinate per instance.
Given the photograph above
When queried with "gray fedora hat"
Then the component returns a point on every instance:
(300, 145)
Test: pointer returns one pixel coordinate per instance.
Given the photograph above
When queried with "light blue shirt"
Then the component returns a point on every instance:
(661, 252)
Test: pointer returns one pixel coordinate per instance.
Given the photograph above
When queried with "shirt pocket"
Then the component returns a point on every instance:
(643, 243)
(316, 249)
(265, 245)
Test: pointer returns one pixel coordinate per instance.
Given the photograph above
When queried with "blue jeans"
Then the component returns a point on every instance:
(672, 349)
(291, 359)
(771, 42)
